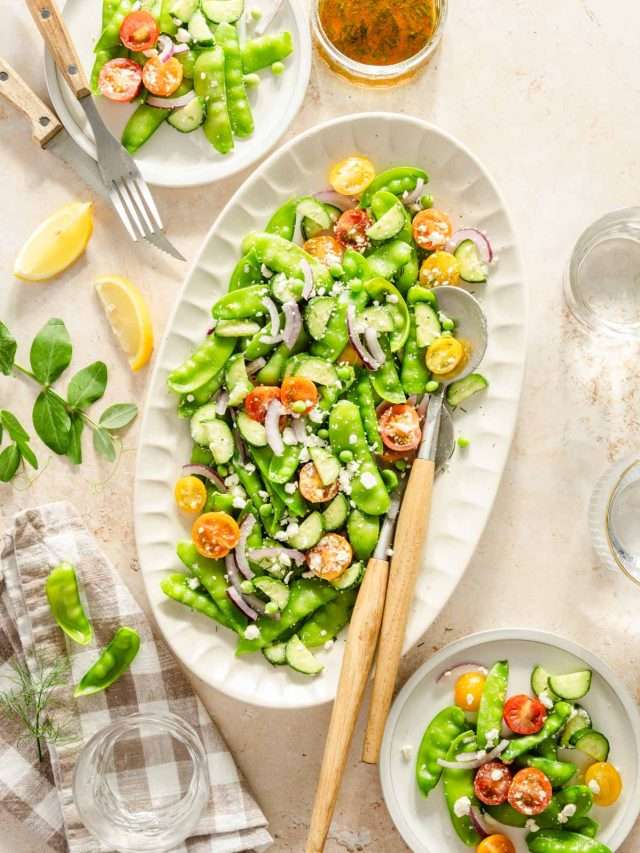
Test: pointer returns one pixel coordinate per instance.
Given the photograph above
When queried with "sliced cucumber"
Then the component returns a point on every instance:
(252, 431)
(572, 686)
(311, 367)
(592, 743)
(300, 658)
(389, 224)
(317, 315)
(540, 678)
(236, 328)
(461, 390)
(311, 209)
(188, 118)
(352, 577)
(427, 324)
(208, 430)
(309, 532)
(274, 589)
(472, 268)
(335, 515)
(236, 379)
(327, 465)
(276, 654)
(312, 228)
(199, 30)
(183, 9)
(223, 11)
(579, 721)
(200, 422)
(379, 318)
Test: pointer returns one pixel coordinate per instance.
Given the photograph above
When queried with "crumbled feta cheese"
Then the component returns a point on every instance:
(266, 272)
(345, 481)
(249, 467)
(281, 535)
(290, 488)
(304, 454)
(469, 698)
(329, 645)
(183, 35)
(531, 826)
(567, 812)
(546, 699)
(307, 575)
(292, 529)
(492, 737)
(353, 438)
(406, 751)
(368, 480)
(496, 775)
(193, 583)
(263, 494)
(462, 807)
(289, 436)
(239, 503)
(190, 398)
(251, 632)
(392, 298)
(317, 415)
(232, 480)
(594, 786)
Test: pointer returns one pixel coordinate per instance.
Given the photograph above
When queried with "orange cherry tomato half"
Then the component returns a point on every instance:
(162, 78)
(139, 31)
(432, 229)
(301, 391)
(257, 401)
(492, 783)
(350, 356)
(325, 248)
(530, 792)
(351, 229)
(468, 690)
(190, 494)
(331, 557)
(120, 80)
(524, 715)
(496, 844)
(214, 534)
(312, 487)
(400, 427)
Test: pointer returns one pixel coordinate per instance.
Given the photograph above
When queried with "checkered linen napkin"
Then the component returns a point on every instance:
(39, 794)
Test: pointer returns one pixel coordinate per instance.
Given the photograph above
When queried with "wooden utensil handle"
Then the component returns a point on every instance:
(356, 665)
(411, 533)
(44, 124)
(54, 31)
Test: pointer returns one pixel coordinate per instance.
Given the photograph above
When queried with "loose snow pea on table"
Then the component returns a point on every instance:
(281, 255)
(176, 587)
(262, 52)
(205, 363)
(492, 702)
(579, 796)
(237, 102)
(241, 304)
(554, 722)
(211, 574)
(112, 663)
(246, 272)
(64, 600)
(327, 622)
(560, 841)
(557, 772)
(458, 784)
(209, 83)
(441, 732)
(397, 180)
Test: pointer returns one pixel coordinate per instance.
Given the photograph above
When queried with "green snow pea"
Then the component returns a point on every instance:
(241, 304)
(418, 293)
(548, 749)
(201, 455)
(370, 496)
(176, 587)
(459, 783)
(387, 260)
(102, 57)
(492, 702)
(336, 335)
(381, 290)
(209, 83)
(211, 574)
(109, 8)
(554, 722)
(295, 503)
(113, 661)
(559, 773)
(237, 102)
(281, 255)
(246, 272)
(583, 826)
(385, 380)
(64, 600)
(217, 501)
(409, 273)
(579, 796)
(283, 221)
(274, 369)
(144, 122)
(189, 403)
(398, 180)
(305, 597)
(262, 52)
(367, 407)
(413, 373)
(282, 468)
(202, 365)
(327, 622)
(560, 841)
(252, 484)
(436, 742)
(188, 61)
(363, 531)
(166, 23)
(110, 36)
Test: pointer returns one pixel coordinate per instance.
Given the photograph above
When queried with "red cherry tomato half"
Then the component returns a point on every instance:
(257, 401)
(139, 31)
(524, 715)
(530, 792)
(351, 229)
(400, 427)
(120, 80)
(492, 783)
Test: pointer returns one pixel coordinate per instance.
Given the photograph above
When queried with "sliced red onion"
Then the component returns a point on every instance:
(415, 195)
(165, 47)
(275, 337)
(241, 604)
(342, 202)
(273, 553)
(373, 345)
(275, 410)
(478, 825)
(254, 366)
(171, 103)
(300, 430)
(180, 48)
(476, 762)
(356, 341)
(292, 323)
(309, 284)
(208, 473)
(255, 604)
(241, 548)
(222, 401)
(460, 668)
(481, 240)
(267, 19)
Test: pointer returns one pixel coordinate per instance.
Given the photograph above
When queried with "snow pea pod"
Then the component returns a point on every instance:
(295, 503)
(283, 221)
(112, 663)
(166, 23)
(548, 749)
(273, 371)
(202, 365)
(560, 841)
(398, 180)
(240, 113)
(418, 293)
(209, 83)
(554, 722)
(281, 255)
(190, 403)
(492, 702)
(363, 531)
(211, 574)
(387, 260)
(146, 120)
(63, 595)
(583, 826)
(346, 432)
(436, 742)
(109, 8)
(385, 380)
(413, 373)
(559, 773)
(579, 796)
(458, 784)
(282, 468)
(252, 484)
(409, 273)
(246, 272)
(188, 61)
(110, 36)
(241, 304)
(379, 289)
(176, 587)
(262, 52)
(327, 622)
(367, 407)
(336, 335)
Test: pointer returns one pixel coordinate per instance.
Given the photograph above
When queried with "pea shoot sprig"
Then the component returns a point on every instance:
(58, 421)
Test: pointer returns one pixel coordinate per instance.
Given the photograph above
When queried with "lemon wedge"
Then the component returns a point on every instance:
(128, 314)
(55, 244)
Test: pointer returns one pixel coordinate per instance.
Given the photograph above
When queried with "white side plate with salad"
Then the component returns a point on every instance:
(464, 493)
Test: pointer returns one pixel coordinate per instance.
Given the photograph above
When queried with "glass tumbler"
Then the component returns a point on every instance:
(614, 517)
(141, 783)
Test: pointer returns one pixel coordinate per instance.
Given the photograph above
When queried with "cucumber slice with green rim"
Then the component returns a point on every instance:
(188, 118)
(183, 9)
(539, 675)
(427, 324)
(223, 11)
(236, 328)
(592, 743)
(276, 654)
(252, 431)
(199, 30)
(200, 422)
(335, 515)
(312, 228)
(274, 589)
(310, 208)
(317, 315)
(311, 367)
(572, 686)
(461, 390)
(208, 430)
(300, 658)
(327, 465)
(379, 318)
(579, 721)
(389, 224)
(352, 577)
(472, 268)
(286, 289)
(309, 532)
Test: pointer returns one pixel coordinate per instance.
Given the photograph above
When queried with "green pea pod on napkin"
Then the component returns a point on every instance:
(63, 595)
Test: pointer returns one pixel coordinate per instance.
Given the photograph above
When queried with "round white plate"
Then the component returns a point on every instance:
(424, 823)
(464, 494)
(172, 159)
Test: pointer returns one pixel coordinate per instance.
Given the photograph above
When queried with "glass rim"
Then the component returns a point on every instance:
(607, 519)
(380, 73)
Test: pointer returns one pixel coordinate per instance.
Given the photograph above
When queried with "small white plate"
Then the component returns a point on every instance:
(172, 159)
(424, 823)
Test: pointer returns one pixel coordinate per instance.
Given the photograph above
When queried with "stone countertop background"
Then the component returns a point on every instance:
(547, 95)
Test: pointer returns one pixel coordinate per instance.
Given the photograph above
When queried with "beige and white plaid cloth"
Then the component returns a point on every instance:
(38, 794)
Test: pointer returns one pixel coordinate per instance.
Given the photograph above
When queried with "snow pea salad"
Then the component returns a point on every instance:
(186, 63)
(306, 401)
(523, 762)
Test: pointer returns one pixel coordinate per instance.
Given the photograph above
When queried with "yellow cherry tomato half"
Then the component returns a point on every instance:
(605, 783)
(468, 690)
(352, 176)
(190, 494)
(440, 268)
(496, 844)
(444, 355)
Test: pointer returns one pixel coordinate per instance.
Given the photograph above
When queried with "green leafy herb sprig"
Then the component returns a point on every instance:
(59, 422)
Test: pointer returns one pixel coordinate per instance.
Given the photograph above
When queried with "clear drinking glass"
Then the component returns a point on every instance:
(602, 281)
(141, 783)
(614, 517)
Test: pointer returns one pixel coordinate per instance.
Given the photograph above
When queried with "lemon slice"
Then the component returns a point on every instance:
(128, 313)
(55, 244)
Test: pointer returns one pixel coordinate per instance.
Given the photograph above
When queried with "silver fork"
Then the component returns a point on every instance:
(127, 189)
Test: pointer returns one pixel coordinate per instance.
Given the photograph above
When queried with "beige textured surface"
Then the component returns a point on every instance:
(547, 95)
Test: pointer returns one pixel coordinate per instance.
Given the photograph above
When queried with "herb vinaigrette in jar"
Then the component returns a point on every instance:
(378, 32)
